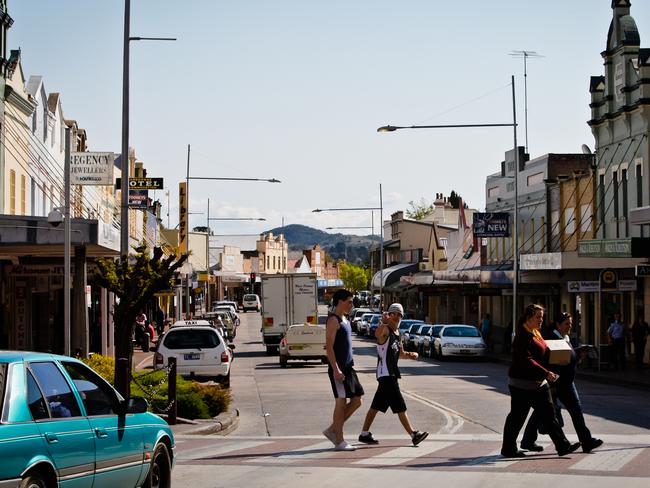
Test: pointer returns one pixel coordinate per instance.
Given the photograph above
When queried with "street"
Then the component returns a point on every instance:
(462, 404)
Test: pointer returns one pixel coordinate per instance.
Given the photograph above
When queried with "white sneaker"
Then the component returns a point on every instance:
(331, 436)
(344, 446)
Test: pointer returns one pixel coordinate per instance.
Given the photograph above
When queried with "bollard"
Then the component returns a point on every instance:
(171, 392)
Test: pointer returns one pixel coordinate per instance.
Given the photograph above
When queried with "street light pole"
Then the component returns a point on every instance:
(124, 214)
(66, 247)
(515, 259)
(381, 250)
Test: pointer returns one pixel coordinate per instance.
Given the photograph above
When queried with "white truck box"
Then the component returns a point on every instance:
(287, 299)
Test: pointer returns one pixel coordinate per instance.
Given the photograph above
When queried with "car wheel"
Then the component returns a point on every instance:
(34, 480)
(160, 472)
(439, 354)
(283, 361)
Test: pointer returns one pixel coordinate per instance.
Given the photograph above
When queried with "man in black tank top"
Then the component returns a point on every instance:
(343, 378)
(389, 351)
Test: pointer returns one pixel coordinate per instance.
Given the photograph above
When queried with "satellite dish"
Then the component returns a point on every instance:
(585, 149)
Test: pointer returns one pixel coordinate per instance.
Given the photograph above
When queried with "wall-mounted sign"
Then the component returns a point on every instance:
(141, 184)
(92, 168)
(643, 270)
(540, 261)
(608, 280)
(495, 224)
(631, 247)
(182, 217)
(138, 199)
(583, 286)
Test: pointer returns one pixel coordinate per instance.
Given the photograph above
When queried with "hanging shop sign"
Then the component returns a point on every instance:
(496, 224)
(92, 168)
(141, 184)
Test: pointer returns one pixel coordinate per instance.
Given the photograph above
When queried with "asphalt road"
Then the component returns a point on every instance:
(462, 404)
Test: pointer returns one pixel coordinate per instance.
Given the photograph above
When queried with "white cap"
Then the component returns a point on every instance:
(396, 308)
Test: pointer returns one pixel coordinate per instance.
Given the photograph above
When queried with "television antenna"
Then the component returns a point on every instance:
(525, 55)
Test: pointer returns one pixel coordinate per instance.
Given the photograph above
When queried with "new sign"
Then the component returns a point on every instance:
(491, 224)
(92, 168)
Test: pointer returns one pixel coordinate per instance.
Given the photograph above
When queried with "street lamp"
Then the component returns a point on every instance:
(381, 238)
(124, 215)
(515, 257)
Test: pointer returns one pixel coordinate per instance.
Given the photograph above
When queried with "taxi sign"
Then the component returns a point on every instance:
(185, 323)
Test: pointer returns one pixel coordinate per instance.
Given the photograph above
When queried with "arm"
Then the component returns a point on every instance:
(331, 328)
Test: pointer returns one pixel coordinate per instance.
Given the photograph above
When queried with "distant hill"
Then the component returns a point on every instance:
(301, 237)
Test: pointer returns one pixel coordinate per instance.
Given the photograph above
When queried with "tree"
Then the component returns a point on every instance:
(134, 284)
(354, 278)
(419, 210)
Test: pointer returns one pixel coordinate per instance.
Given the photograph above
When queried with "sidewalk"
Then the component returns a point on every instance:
(630, 377)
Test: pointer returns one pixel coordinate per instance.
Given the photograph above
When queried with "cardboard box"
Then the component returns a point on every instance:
(561, 352)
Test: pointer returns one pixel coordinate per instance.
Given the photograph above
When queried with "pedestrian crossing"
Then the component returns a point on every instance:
(466, 453)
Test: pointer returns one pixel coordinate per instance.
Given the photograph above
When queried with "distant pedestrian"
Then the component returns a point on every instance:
(640, 332)
(528, 381)
(389, 351)
(343, 377)
(565, 391)
(160, 320)
(617, 332)
(486, 330)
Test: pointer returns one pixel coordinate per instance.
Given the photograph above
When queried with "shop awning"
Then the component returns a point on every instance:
(392, 274)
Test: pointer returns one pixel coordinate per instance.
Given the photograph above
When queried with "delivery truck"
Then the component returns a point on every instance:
(287, 299)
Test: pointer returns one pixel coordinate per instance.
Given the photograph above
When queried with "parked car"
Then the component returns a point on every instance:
(362, 325)
(373, 324)
(303, 342)
(405, 324)
(409, 338)
(231, 310)
(219, 303)
(355, 316)
(200, 351)
(426, 340)
(228, 323)
(251, 302)
(423, 331)
(64, 425)
(459, 340)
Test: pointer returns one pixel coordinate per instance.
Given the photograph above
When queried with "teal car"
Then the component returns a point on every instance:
(62, 425)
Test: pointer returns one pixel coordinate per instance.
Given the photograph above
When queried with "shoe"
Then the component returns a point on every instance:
(513, 454)
(418, 437)
(568, 449)
(344, 446)
(532, 447)
(331, 436)
(368, 438)
(591, 445)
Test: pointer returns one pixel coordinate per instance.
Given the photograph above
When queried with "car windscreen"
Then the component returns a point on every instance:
(425, 330)
(250, 298)
(191, 339)
(460, 332)
(414, 329)
(375, 319)
(436, 329)
(3, 378)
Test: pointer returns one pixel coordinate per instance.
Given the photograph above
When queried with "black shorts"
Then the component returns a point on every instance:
(349, 387)
(387, 395)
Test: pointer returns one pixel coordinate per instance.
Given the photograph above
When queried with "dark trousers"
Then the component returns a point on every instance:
(619, 352)
(639, 350)
(521, 401)
(568, 396)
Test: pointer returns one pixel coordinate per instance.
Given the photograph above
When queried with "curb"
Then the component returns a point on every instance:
(222, 424)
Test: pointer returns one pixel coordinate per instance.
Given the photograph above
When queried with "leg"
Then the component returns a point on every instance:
(338, 418)
(370, 417)
(530, 432)
(544, 406)
(404, 419)
(351, 407)
(568, 395)
(519, 407)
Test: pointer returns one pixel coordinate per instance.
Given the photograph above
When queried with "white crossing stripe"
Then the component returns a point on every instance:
(321, 450)
(218, 449)
(609, 460)
(404, 454)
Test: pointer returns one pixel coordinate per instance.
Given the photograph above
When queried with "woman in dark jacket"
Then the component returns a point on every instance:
(565, 391)
(528, 381)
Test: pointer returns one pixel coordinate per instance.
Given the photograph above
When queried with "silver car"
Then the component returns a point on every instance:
(459, 340)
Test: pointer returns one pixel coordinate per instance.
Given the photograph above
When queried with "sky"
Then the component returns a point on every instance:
(295, 90)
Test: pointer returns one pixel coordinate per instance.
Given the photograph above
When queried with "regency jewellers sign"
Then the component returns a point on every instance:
(92, 168)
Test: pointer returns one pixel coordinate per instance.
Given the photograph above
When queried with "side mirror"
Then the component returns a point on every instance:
(136, 405)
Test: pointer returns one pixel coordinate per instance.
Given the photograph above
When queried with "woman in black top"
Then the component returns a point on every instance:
(565, 391)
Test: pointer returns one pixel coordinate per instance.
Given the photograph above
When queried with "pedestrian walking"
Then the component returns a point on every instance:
(160, 320)
(617, 332)
(564, 390)
(388, 394)
(344, 380)
(528, 381)
(640, 332)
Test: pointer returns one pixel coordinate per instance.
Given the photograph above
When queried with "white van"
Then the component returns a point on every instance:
(303, 342)
(251, 302)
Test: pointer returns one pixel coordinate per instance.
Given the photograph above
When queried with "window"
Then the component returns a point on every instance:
(585, 218)
(35, 399)
(624, 191)
(494, 191)
(460, 332)
(535, 179)
(57, 392)
(12, 192)
(639, 186)
(569, 221)
(510, 186)
(615, 188)
(191, 339)
(511, 166)
(23, 195)
(601, 201)
(97, 397)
